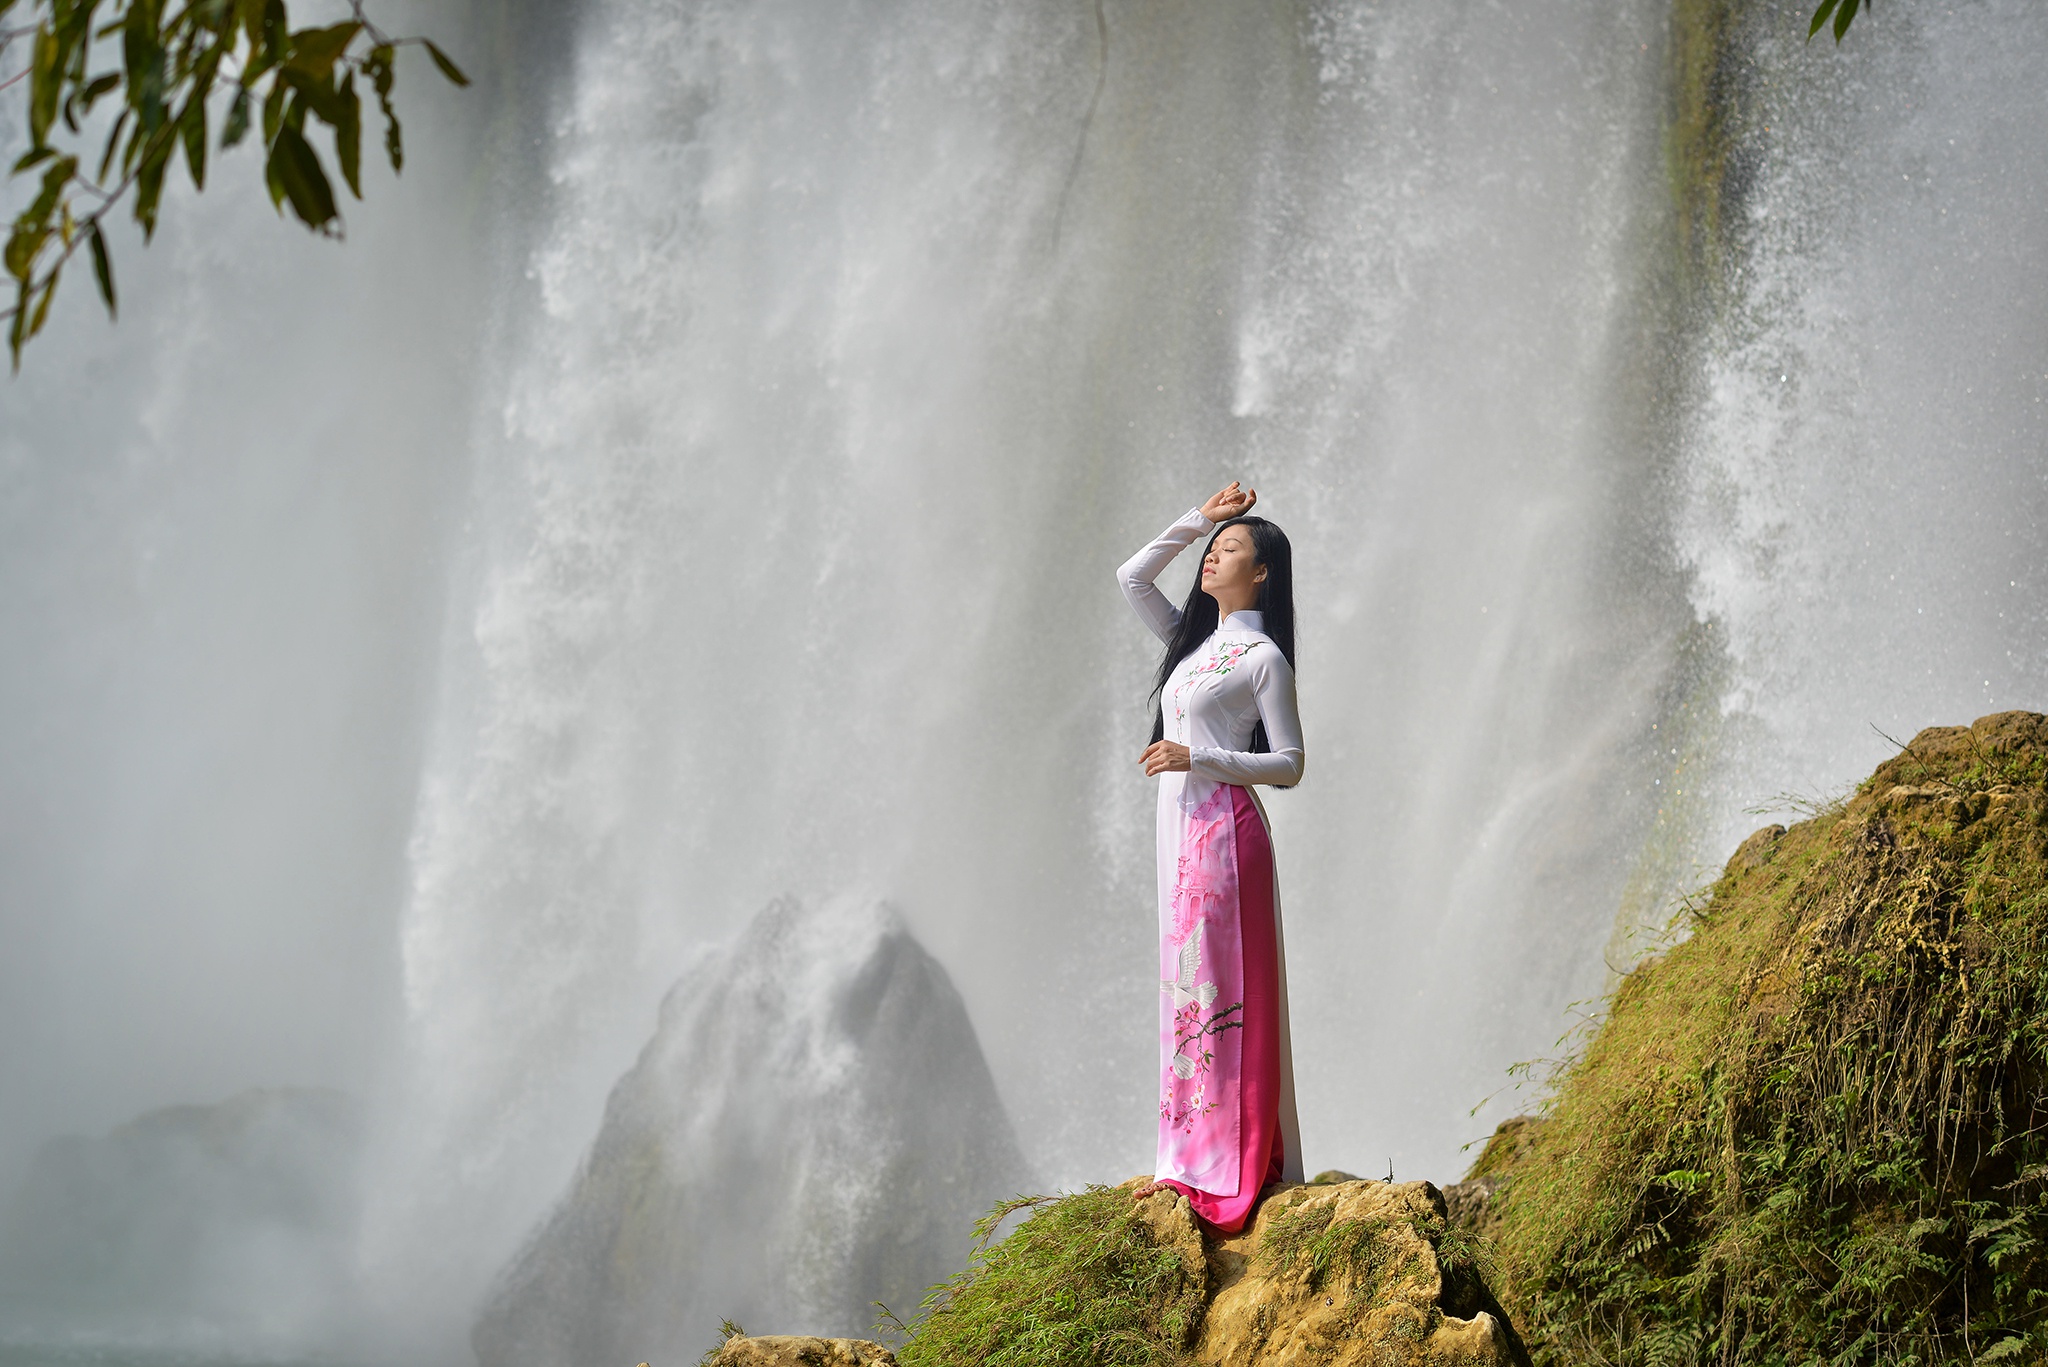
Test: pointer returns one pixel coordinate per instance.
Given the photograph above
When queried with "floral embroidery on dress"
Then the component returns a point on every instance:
(1202, 892)
(1192, 1058)
(1221, 661)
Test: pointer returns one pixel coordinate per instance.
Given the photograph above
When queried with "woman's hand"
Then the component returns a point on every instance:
(1165, 757)
(1229, 502)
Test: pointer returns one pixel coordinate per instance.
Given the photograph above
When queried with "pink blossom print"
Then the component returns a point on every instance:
(1222, 658)
(1202, 1004)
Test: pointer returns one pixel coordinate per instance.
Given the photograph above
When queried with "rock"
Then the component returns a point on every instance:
(1471, 1204)
(1756, 851)
(1172, 1222)
(1346, 1274)
(783, 1350)
(812, 1129)
(1332, 1176)
(192, 1224)
(1388, 1292)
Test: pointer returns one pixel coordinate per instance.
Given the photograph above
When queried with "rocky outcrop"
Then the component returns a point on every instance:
(812, 1129)
(1347, 1273)
(191, 1223)
(788, 1350)
(1331, 1274)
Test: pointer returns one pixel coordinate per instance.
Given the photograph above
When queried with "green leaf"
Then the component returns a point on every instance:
(102, 265)
(23, 246)
(192, 124)
(90, 96)
(200, 80)
(143, 54)
(348, 136)
(276, 31)
(45, 82)
(149, 184)
(379, 67)
(237, 126)
(1844, 14)
(1820, 16)
(137, 140)
(273, 110)
(448, 68)
(305, 183)
(15, 327)
(314, 50)
(273, 183)
(42, 314)
(113, 143)
(54, 180)
(31, 158)
(378, 64)
(318, 92)
(71, 36)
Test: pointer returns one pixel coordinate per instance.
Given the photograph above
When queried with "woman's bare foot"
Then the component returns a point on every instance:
(1149, 1189)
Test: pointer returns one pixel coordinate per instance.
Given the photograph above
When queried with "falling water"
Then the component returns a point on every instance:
(1864, 508)
(828, 359)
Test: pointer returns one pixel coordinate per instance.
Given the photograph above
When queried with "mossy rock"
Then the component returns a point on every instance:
(1353, 1274)
(1817, 1129)
(1340, 1274)
(742, 1350)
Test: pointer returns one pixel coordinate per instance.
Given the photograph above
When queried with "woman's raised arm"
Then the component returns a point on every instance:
(1138, 573)
(1136, 576)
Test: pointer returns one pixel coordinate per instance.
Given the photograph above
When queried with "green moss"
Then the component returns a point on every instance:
(1079, 1284)
(1308, 1236)
(1816, 1131)
(1702, 132)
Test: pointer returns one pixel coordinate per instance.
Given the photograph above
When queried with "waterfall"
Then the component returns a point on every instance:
(1863, 507)
(861, 345)
(726, 504)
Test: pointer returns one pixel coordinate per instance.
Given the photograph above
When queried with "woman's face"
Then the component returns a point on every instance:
(1231, 572)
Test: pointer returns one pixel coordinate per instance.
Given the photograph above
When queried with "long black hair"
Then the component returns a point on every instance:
(1198, 614)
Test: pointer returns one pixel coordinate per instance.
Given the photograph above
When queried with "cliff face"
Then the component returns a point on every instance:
(811, 1129)
(1817, 1128)
(191, 1224)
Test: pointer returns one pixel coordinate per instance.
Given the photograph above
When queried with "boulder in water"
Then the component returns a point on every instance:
(812, 1129)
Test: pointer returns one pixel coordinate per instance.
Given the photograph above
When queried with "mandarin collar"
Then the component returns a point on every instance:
(1245, 621)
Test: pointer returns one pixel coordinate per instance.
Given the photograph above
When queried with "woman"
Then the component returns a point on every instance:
(1226, 721)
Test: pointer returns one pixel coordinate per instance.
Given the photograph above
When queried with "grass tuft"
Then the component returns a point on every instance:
(1081, 1283)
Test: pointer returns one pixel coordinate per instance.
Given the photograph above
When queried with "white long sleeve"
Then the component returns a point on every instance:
(1137, 574)
(1272, 683)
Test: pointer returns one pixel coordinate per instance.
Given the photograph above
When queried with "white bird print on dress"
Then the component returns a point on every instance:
(1184, 990)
